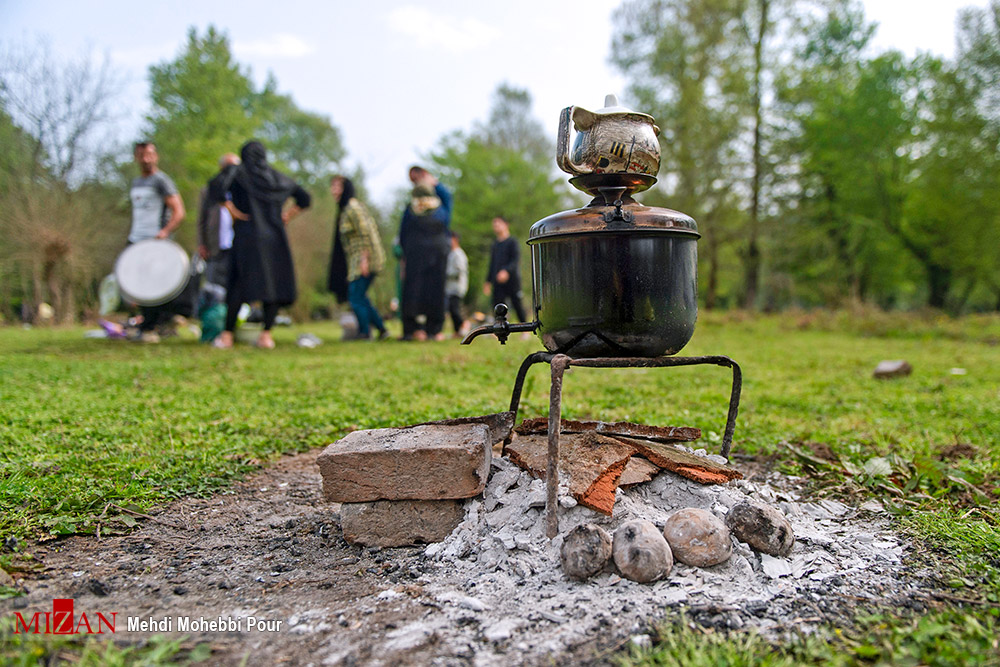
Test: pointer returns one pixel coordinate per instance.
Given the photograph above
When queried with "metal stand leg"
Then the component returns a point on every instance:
(522, 372)
(559, 364)
(734, 408)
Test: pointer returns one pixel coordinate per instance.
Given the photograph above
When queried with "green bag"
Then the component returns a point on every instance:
(213, 321)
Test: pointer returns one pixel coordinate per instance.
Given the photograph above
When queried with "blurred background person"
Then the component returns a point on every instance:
(157, 210)
(456, 283)
(215, 239)
(261, 261)
(423, 235)
(357, 257)
(215, 230)
(503, 280)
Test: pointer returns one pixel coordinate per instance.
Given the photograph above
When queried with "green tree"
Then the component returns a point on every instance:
(978, 62)
(952, 211)
(978, 40)
(890, 155)
(502, 168)
(686, 63)
(203, 105)
(511, 125)
(847, 141)
(306, 143)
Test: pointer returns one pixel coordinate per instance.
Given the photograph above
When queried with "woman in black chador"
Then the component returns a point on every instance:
(426, 241)
(261, 267)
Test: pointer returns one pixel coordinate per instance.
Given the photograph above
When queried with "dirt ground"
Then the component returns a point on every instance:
(271, 549)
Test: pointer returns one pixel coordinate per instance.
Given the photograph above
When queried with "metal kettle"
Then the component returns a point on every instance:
(612, 140)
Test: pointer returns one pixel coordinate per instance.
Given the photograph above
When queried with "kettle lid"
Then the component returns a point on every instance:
(613, 106)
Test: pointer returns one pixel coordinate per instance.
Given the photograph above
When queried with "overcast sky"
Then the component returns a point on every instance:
(396, 75)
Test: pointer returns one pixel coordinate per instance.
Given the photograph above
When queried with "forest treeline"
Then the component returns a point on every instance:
(821, 171)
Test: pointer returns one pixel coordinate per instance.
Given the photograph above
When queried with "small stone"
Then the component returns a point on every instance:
(698, 537)
(762, 527)
(6, 579)
(641, 552)
(585, 551)
(892, 369)
(470, 603)
(501, 631)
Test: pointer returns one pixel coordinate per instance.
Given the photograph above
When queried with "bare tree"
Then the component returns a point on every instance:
(57, 230)
(65, 106)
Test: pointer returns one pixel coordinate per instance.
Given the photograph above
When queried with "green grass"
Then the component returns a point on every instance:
(942, 638)
(30, 650)
(88, 427)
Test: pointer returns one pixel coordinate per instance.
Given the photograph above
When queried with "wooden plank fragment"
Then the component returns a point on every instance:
(637, 471)
(688, 465)
(657, 433)
(593, 463)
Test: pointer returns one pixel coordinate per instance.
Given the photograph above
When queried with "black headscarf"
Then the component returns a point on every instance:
(345, 196)
(260, 180)
(336, 280)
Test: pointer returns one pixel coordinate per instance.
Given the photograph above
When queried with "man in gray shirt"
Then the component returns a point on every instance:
(157, 210)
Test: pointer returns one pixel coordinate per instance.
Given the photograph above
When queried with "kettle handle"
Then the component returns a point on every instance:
(562, 144)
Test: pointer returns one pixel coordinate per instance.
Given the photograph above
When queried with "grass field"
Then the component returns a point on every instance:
(88, 427)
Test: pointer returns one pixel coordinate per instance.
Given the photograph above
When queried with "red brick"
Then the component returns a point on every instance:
(438, 462)
(397, 523)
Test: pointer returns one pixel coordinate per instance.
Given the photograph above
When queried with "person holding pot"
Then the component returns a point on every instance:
(424, 237)
(261, 268)
(357, 257)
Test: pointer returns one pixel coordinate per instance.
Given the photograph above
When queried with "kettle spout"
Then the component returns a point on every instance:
(479, 331)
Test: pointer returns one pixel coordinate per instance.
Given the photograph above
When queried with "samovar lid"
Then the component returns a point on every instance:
(600, 218)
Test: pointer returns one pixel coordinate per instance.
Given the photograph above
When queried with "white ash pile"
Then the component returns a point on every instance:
(500, 584)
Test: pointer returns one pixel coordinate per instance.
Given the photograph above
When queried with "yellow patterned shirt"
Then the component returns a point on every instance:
(359, 233)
